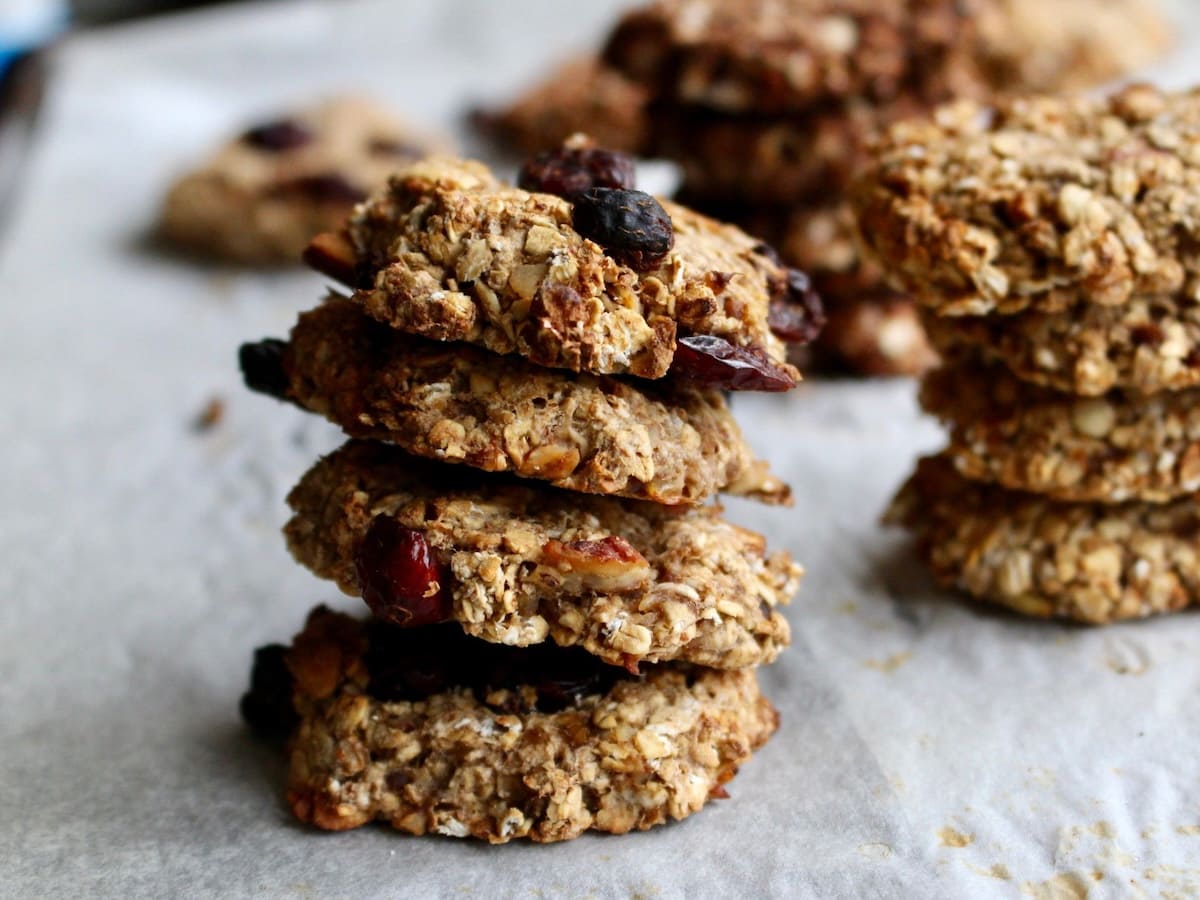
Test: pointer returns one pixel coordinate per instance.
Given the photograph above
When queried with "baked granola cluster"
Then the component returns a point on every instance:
(1049, 246)
(564, 628)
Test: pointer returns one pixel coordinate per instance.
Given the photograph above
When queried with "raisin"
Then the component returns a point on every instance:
(382, 146)
(631, 226)
(284, 134)
(569, 173)
(401, 578)
(797, 316)
(267, 706)
(262, 367)
(764, 249)
(712, 362)
(326, 187)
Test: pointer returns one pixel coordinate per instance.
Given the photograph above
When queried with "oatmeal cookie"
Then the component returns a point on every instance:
(770, 57)
(1042, 205)
(457, 403)
(1105, 449)
(261, 197)
(1148, 344)
(877, 336)
(582, 95)
(1028, 45)
(516, 564)
(1091, 562)
(450, 253)
(531, 743)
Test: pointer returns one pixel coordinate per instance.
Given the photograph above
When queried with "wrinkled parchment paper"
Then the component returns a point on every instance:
(928, 748)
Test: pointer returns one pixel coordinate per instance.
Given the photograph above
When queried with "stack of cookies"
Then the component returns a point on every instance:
(769, 107)
(1052, 244)
(563, 634)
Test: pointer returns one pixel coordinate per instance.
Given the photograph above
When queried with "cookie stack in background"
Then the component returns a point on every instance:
(564, 633)
(1052, 245)
(769, 107)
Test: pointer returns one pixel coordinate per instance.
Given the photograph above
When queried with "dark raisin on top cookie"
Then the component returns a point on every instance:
(279, 135)
(631, 226)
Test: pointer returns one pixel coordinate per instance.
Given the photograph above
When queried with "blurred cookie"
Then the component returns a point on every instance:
(425, 731)
(1091, 562)
(263, 195)
(1067, 45)
(1107, 449)
(763, 56)
(519, 564)
(580, 96)
(456, 403)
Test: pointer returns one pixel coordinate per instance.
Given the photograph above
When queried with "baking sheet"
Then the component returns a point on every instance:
(928, 748)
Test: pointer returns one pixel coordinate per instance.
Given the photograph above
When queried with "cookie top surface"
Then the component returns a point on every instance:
(265, 193)
(488, 758)
(629, 582)
(1089, 562)
(457, 403)
(450, 253)
(580, 95)
(1146, 345)
(1108, 449)
(1043, 204)
(776, 56)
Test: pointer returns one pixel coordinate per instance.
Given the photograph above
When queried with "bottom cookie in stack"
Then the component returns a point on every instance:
(1090, 562)
(429, 730)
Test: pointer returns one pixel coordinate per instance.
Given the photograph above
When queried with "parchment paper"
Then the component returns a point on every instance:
(929, 749)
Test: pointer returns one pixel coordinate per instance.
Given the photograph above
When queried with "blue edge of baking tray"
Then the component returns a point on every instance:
(29, 27)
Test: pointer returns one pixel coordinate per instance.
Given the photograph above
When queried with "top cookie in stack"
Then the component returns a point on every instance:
(577, 334)
(769, 107)
(1051, 242)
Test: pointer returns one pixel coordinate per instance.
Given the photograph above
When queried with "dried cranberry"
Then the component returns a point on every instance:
(1147, 334)
(284, 134)
(797, 316)
(712, 362)
(267, 706)
(631, 226)
(569, 172)
(402, 580)
(262, 367)
(327, 187)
